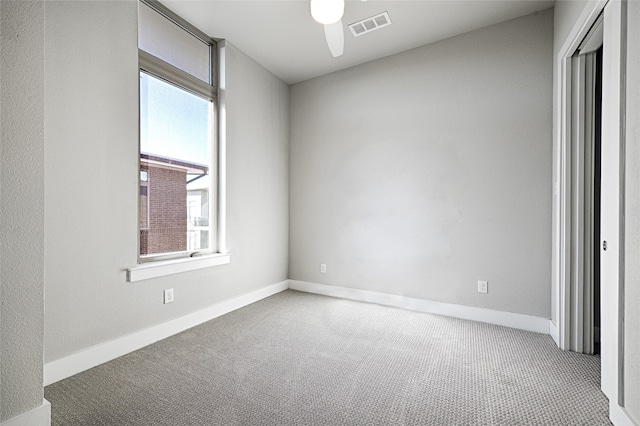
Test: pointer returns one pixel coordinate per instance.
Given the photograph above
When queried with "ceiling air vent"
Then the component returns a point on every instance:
(370, 24)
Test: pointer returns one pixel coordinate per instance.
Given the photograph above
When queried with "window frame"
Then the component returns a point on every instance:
(158, 68)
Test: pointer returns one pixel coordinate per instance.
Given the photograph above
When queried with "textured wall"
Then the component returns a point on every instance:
(632, 219)
(91, 61)
(21, 206)
(423, 172)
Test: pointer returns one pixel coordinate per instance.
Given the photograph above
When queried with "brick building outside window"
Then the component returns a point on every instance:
(174, 205)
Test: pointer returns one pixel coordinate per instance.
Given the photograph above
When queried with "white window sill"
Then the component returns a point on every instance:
(145, 271)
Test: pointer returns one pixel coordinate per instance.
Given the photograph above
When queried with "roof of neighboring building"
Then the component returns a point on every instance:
(174, 163)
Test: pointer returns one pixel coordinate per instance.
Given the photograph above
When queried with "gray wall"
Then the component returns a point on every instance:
(632, 207)
(423, 172)
(91, 133)
(21, 206)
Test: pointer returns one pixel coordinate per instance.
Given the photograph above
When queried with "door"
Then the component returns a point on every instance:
(585, 188)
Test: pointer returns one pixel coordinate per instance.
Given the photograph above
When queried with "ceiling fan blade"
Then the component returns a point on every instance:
(334, 34)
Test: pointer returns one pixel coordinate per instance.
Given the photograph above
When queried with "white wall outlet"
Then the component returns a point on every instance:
(168, 295)
(483, 287)
(323, 268)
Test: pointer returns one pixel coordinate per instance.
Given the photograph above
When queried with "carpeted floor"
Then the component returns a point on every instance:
(301, 359)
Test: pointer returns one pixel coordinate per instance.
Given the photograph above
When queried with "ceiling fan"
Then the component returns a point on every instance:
(329, 13)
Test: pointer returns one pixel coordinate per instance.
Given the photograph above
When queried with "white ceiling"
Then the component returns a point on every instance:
(283, 38)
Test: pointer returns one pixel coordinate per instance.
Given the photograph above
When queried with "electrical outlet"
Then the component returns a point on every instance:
(168, 295)
(483, 287)
(323, 268)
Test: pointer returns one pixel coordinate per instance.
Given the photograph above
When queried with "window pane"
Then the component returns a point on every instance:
(175, 134)
(167, 41)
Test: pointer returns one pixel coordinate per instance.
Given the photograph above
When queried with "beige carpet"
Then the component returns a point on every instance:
(301, 359)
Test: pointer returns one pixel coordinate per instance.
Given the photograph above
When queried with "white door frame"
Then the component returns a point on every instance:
(612, 230)
(563, 216)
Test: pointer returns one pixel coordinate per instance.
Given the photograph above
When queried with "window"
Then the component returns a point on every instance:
(177, 137)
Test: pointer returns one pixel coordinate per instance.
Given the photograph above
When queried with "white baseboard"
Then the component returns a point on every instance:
(80, 361)
(39, 416)
(507, 319)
